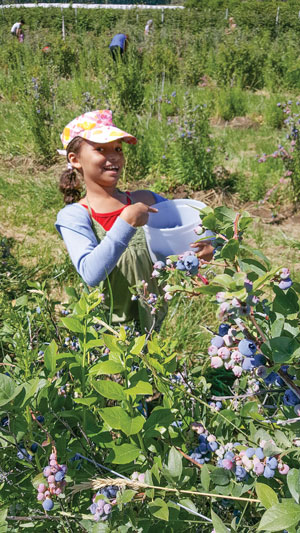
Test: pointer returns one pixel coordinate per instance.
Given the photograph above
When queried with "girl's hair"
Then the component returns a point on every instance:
(70, 184)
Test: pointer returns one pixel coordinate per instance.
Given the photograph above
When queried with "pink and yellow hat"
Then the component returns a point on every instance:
(96, 126)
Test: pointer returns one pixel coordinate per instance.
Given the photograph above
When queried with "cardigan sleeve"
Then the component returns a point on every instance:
(92, 260)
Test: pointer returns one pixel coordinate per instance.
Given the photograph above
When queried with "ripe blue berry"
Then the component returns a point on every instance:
(246, 347)
(59, 476)
(272, 462)
(217, 341)
(34, 447)
(48, 504)
(290, 398)
(40, 419)
(259, 453)
(240, 473)
(223, 329)
(268, 472)
(191, 263)
(180, 265)
(285, 284)
(250, 452)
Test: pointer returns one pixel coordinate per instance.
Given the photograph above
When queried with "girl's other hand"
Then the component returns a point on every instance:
(204, 250)
(137, 214)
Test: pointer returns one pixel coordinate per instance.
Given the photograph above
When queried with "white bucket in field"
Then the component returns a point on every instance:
(171, 230)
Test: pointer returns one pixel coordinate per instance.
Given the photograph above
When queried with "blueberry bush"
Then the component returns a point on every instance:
(108, 429)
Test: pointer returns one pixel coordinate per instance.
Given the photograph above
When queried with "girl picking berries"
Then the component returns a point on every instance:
(103, 229)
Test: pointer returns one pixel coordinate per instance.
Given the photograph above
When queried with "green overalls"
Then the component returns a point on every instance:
(133, 266)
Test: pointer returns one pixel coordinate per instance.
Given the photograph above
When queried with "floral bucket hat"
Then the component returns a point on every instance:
(96, 126)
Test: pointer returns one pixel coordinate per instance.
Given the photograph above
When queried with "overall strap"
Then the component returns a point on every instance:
(89, 208)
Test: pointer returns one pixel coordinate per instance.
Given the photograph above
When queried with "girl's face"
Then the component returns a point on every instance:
(99, 163)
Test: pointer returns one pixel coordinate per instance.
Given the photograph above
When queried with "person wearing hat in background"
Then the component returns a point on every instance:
(118, 45)
(148, 27)
(102, 229)
(17, 30)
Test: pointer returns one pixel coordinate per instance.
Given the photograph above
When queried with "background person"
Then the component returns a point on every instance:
(17, 30)
(148, 27)
(118, 45)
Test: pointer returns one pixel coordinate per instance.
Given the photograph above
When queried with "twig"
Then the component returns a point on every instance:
(192, 511)
(236, 226)
(188, 458)
(97, 484)
(260, 331)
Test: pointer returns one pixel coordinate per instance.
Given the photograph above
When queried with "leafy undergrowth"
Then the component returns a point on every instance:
(108, 429)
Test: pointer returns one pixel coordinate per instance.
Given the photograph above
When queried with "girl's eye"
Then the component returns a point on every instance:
(119, 149)
(100, 149)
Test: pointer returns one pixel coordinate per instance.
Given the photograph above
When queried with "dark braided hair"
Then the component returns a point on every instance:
(70, 184)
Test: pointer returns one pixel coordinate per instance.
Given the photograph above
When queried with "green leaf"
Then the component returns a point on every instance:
(138, 345)
(205, 477)
(266, 495)
(160, 417)
(159, 509)
(7, 389)
(73, 323)
(219, 526)
(286, 302)
(94, 343)
(230, 250)
(117, 418)
(123, 454)
(220, 476)
(109, 389)
(175, 463)
(277, 326)
(280, 516)
(281, 349)
(107, 368)
(225, 214)
(223, 279)
(86, 401)
(112, 343)
(125, 496)
(50, 356)
(293, 481)
(251, 409)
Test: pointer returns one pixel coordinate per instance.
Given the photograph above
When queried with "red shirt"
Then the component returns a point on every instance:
(107, 220)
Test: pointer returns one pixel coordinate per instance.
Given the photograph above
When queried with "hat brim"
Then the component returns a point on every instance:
(107, 134)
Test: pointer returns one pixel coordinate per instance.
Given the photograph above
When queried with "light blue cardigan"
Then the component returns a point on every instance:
(93, 260)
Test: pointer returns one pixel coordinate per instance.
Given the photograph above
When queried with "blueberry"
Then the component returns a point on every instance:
(240, 473)
(217, 341)
(290, 398)
(4, 421)
(191, 263)
(268, 472)
(213, 446)
(34, 447)
(285, 284)
(48, 504)
(180, 265)
(40, 419)
(250, 452)
(229, 455)
(246, 347)
(271, 378)
(223, 329)
(219, 405)
(272, 462)
(259, 453)
(59, 476)
(93, 508)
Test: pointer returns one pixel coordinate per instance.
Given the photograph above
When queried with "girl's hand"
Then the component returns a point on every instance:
(137, 214)
(204, 250)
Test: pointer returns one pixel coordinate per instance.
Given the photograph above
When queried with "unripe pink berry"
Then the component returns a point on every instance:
(224, 353)
(47, 471)
(216, 362)
(227, 464)
(53, 456)
(51, 486)
(40, 496)
(54, 469)
(47, 493)
(283, 469)
(53, 462)
(212, 350)
(41, 487)
(58, 491)
(51, 479)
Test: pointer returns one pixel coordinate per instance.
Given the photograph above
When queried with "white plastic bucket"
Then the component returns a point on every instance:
(171, 230)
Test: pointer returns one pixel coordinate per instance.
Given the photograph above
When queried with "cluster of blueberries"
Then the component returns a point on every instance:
(55, 475)
(203, 452)
(100, 508)
(240, 461)
(253, 460)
